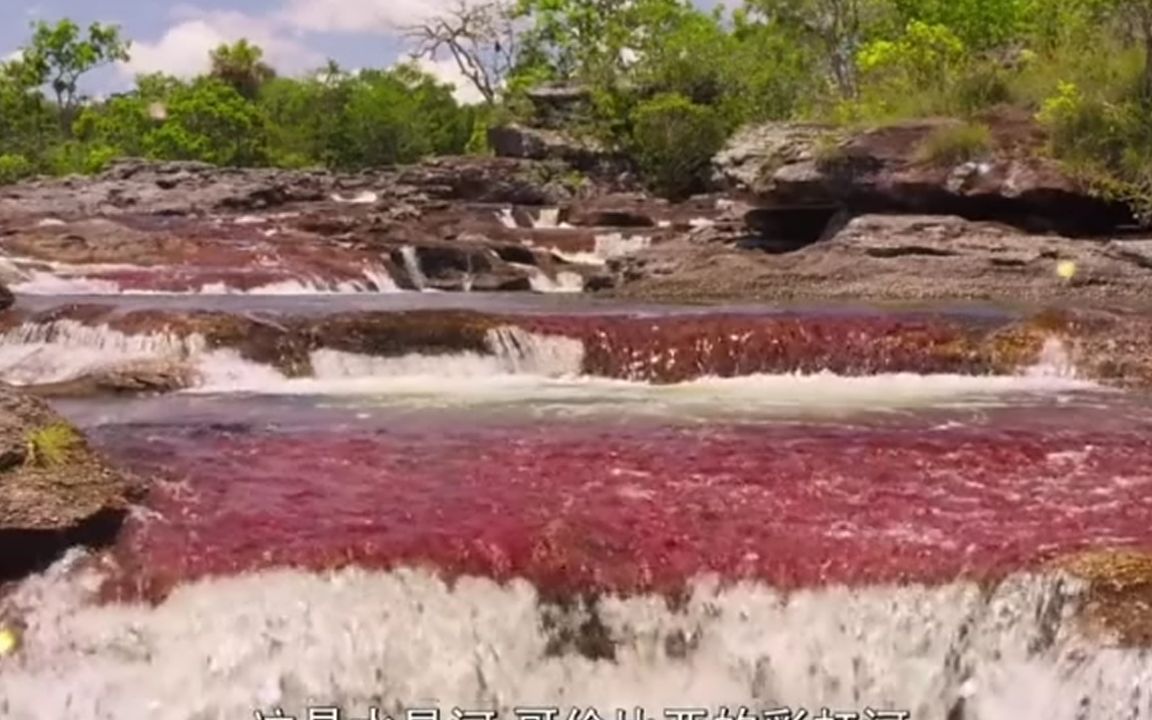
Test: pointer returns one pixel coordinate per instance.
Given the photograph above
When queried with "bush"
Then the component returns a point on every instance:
(14, 168)
(51, 445)
(1106, 144)
(673, 141)
(955, 144)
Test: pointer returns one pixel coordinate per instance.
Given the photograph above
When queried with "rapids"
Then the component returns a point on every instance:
(500, 527)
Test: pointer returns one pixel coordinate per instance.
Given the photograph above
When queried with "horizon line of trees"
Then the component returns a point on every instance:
(669, 84)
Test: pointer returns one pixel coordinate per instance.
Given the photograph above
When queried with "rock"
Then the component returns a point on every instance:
(893, 257)
(559, 106)
(7, 299)
(55, 492)
(519, 141)
(616, 211)
(886, 170)
(131, 378)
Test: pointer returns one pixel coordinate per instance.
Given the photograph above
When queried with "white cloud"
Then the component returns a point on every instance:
(14, 55)
(446, 70)
(183, 49)
(359, 15)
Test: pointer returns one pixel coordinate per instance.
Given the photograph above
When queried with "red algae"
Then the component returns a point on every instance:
(674, 349)
(580, 509)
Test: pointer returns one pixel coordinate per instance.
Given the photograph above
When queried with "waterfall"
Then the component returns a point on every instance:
(548, 219)
(355, 639)
(412, 265)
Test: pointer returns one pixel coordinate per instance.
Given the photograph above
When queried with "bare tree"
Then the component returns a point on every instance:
(480, 36)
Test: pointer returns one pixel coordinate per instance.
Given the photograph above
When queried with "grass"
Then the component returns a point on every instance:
(51, 445)
(955, 144)
(827, 149)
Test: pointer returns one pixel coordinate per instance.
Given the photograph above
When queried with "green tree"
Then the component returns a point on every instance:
(60, 54)
(209, 120)
(28, 125)
(673, 141)
(242, 66)
(398, 116)
(836, 28)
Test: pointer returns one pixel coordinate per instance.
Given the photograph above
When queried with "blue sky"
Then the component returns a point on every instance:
(296, 35)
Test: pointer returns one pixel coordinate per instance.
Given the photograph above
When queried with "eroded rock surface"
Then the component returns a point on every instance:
(894, 257)
(894, 170)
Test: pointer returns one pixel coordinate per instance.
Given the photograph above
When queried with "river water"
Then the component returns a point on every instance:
(501, 531)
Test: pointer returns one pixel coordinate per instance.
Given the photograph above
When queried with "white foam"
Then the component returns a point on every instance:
(524, 358)
(64, 282)
(365, 197)
(564, 282)
(65, 349)
(547, 219)
(609, 246)
(224, 648)
(522, 367)
(507, 219)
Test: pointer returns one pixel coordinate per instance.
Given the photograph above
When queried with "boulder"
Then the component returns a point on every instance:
(55, 492)
(892, 170)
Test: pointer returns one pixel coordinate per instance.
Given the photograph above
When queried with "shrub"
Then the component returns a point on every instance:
(673, 141)
(14, 168)
(1106, 144)
(955, 144)
(51, 445)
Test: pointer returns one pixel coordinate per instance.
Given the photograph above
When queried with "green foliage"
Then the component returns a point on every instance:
(955, 144)
(399, 116)
(673, 141)
(1108, 144)
(14, 168)
(241, 66)
(210, 121)
(60, 54)
(979, 24)
(667, 81)
(51, 445)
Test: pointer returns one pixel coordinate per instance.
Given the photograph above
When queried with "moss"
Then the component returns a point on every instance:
(52, 445)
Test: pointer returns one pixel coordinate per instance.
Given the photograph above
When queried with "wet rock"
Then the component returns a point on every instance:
(1119, 603)
(54, 491)
(888, 170)
(132, 378)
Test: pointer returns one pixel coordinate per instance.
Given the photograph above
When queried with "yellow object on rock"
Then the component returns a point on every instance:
(1066, 269)
(8, 642)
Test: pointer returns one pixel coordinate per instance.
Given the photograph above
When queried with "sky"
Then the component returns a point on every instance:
(296, 35)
